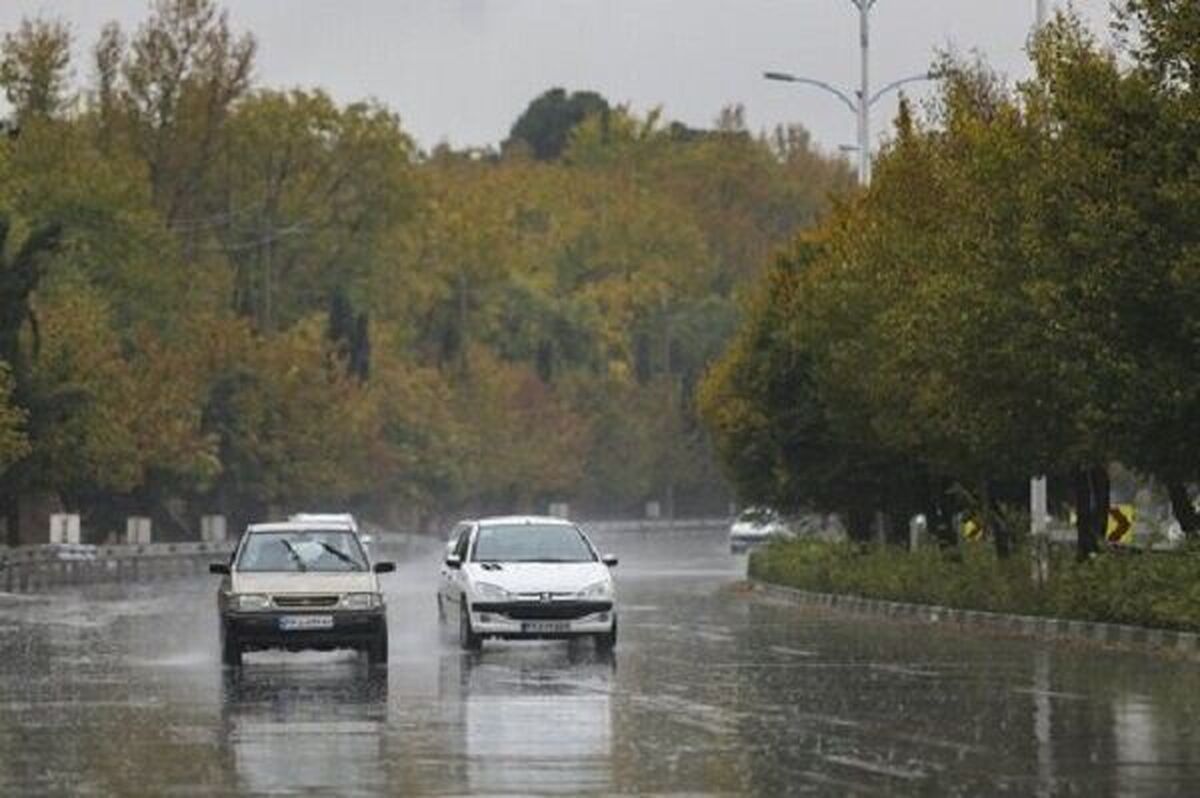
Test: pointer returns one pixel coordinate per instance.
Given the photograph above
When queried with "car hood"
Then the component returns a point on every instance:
(276, 583)
(538, 577)
(750, 529)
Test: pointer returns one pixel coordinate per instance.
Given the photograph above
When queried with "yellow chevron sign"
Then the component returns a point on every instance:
(1119, 529)
(972, 529)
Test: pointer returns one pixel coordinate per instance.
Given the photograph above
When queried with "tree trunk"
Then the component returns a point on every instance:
(1091, 509)
(858, 525)
(939, 516)
(1001, 534)
(10, 511)
(1102, 495)
(1183, 509)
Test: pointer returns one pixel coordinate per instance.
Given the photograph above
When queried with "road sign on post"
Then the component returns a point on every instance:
(972, 529)
(1119, 529)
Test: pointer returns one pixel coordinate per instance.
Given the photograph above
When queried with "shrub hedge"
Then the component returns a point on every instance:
(1155, 589)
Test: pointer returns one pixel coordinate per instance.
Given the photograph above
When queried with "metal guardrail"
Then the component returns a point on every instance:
(33, 568)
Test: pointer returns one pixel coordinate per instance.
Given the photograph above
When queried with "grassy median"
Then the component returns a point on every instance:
(1159, 590)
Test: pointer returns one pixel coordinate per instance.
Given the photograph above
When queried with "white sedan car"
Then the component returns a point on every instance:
(527, 577)
(755, 526)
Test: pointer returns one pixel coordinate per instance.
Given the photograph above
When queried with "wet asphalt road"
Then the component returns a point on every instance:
(118, 691)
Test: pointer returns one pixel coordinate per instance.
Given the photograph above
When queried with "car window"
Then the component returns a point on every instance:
(460, 547)
(303, 550)
(531, 543)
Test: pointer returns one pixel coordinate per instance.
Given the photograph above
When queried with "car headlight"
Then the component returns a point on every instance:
(597, 590)
(251, 602)
(361, 601)
(486, 590)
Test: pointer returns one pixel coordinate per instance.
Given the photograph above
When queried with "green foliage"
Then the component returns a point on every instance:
(13, 443)
(546, 124)
(1151, 589)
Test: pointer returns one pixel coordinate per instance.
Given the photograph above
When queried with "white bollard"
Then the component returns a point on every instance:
(212, 528)
(64, 528)
(137, 530)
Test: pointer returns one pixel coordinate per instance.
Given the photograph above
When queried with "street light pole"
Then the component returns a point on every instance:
(863, 100)
(864, 92)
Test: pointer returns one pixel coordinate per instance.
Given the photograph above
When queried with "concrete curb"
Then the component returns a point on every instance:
(1042, 628)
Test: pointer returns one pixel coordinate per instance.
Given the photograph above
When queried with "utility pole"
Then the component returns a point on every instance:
(864, 91)
(1039, 517)
(863, 100)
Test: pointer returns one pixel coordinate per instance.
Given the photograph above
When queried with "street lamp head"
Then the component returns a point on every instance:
(784, 76)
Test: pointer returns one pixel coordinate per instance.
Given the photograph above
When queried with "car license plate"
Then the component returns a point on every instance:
(545, 626)
(296, 623)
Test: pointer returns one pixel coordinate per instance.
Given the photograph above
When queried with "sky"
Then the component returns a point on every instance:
(461, 71)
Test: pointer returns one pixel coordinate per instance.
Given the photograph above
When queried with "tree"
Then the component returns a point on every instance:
(169, 95)
(34, 68)
(546, 124)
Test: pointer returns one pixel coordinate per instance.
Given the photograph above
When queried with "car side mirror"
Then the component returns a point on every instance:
(218, 568)
(384, 567)
(453, 562)
(610, 560)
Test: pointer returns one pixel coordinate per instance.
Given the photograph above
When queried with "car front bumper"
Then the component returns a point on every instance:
(530, 619)
(262, 630)
(743, 542)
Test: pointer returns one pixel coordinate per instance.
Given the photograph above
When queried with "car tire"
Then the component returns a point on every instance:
(377, 649)
(467, 638)
(607, 641)
(231, 651)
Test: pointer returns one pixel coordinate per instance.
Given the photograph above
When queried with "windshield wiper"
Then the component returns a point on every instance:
(295, 554)
(340, 555)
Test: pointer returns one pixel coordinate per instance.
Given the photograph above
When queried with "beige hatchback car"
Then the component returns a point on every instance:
(301, 585)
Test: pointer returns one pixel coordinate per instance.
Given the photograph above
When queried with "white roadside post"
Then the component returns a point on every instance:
(1039, 529)
(137, 530)
(212, 528)
(64, 528)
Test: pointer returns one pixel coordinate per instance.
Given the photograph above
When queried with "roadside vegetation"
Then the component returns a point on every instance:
(1015, 294)
(218, 296)
(1160, 590)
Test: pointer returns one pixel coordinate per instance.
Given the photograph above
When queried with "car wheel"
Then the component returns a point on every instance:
(377, 649)
(231, 651)
(607, 641)
(466, 636)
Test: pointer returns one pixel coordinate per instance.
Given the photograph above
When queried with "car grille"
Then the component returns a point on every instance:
(543, 610)
(306, 602)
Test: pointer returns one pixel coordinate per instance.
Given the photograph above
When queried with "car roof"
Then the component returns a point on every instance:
(513, 520)
(325, 518)
(298, 526)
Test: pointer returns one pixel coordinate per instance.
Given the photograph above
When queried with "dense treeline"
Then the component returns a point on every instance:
(217, 296)
(1015, 294)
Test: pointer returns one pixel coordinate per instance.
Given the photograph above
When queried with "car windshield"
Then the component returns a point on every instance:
(531, 543)
(302, 550)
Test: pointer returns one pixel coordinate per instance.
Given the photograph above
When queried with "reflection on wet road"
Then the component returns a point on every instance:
(118, 691)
